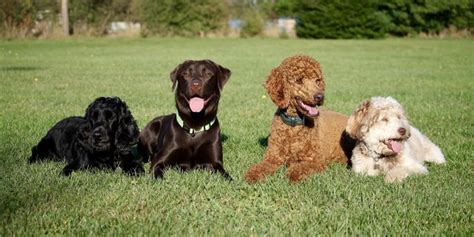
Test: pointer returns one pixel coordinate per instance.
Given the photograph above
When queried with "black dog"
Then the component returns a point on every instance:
(189, 139)
(101, 140)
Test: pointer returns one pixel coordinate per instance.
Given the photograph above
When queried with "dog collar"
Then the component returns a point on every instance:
(135, 152)
(193, 131)
(290, 120)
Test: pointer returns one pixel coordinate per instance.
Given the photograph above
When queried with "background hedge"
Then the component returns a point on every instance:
(316, 18)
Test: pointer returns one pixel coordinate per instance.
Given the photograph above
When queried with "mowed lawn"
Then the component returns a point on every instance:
(42, 82)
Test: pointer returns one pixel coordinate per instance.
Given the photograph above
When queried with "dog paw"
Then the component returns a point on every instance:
(253, 176)
(296, 175)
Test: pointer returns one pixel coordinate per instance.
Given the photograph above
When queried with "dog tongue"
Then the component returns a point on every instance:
(313, 111)
(395, 146)
(196, 104)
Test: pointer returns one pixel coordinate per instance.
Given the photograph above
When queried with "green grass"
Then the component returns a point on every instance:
(44, 81)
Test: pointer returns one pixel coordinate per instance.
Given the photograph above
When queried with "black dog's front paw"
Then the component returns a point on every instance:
(137, 171)
(66, 172)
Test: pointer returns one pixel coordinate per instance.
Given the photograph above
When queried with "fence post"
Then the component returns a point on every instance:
(65, 17)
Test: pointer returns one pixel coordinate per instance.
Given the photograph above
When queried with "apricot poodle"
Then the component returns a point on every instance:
(303, 137)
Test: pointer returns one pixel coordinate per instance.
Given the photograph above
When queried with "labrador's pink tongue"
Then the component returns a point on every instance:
(196, 104)
(395, 146)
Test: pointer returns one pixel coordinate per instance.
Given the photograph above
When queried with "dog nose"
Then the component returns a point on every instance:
(97, 135)
(196, 83)
(402, 131)
(319, 97)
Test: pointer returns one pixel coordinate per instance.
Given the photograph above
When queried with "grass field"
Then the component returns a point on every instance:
(44, 81)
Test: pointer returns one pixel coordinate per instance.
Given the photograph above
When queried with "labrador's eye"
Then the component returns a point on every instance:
(385, 119)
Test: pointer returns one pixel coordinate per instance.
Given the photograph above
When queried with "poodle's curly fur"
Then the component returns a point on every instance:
(297, 87)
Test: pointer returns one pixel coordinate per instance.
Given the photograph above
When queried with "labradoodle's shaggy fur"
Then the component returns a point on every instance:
(297, 88)
(386, 143)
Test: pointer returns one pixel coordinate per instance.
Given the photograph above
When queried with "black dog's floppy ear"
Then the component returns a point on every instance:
(175, 73)
(83, 135)
(127, 131)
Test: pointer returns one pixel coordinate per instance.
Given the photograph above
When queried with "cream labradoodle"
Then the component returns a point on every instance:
(386, 143)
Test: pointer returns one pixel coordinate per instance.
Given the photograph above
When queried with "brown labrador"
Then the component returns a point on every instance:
(189, 139)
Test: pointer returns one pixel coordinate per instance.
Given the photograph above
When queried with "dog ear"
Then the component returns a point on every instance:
(127, 130)
(355, 123)
(175, 73)
(82, 137)
(223, 77)
(223, 74)
(276, 88)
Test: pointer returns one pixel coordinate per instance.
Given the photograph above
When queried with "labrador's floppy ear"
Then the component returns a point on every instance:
(356, 126)
(175, 73)
(223, 74)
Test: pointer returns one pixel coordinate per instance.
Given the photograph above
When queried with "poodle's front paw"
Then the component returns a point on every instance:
(295, 175)
(254, 174)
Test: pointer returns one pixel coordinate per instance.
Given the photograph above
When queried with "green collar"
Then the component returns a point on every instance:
(193, 131)
(290, 120)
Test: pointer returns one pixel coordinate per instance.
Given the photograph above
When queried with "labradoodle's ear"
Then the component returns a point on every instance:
(275, 85)
(356, 125)
(175, 73)
(127, 131)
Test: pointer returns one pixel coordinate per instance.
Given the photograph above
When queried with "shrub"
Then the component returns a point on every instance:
(183, 17)
(253, 23)
(428, 16)
(339, 19)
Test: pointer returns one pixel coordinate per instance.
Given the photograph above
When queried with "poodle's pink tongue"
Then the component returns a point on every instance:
(313, 111)
(394, 146)
(196, 104)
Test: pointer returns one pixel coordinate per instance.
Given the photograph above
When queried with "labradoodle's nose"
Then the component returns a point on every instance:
(402, 131)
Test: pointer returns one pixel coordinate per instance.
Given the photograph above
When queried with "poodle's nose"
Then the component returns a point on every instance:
(319, 97)
(402, 131)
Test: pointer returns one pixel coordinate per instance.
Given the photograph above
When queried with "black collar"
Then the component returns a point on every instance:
(290, 120)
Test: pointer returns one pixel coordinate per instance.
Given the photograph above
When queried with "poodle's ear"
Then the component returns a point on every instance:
(275, 85)
(355, 123)
(127, 131)
(175, 73)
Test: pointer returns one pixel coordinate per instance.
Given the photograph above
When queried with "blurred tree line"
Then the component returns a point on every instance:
(315, 18)
(377, 18)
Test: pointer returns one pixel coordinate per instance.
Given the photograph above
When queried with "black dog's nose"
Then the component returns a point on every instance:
(402, 131)
(97, 135)
(319, 97)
